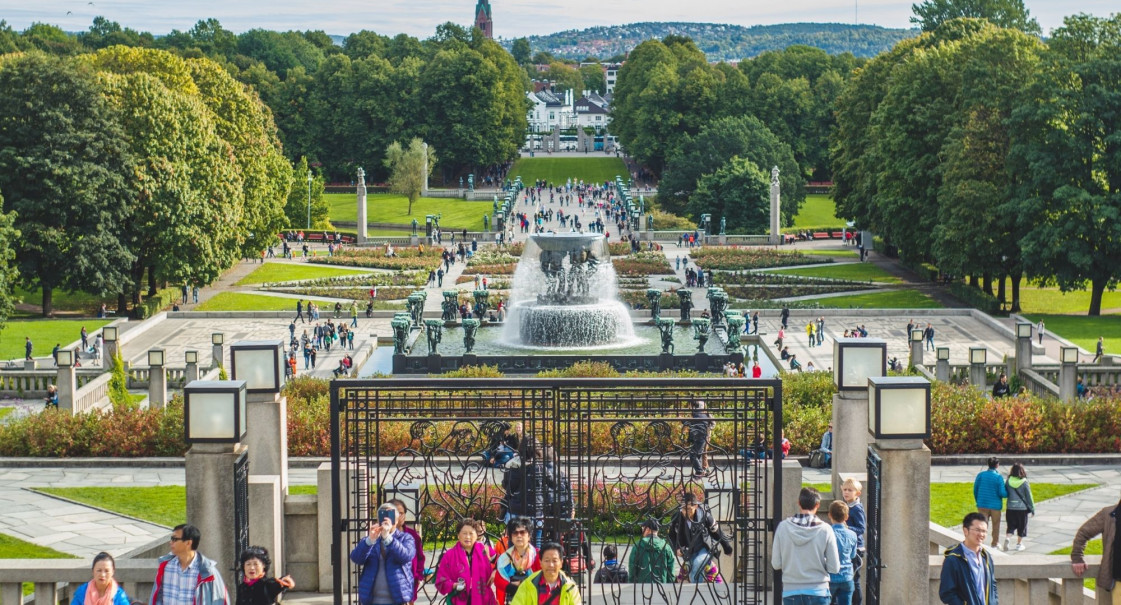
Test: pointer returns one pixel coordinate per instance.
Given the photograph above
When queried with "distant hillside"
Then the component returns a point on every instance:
(721, 42)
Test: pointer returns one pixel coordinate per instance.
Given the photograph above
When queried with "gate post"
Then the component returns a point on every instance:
(854, 361)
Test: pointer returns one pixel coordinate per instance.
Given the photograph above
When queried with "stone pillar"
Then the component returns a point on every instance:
(362, 238)
(424, 183)
(67, 386)
(210, 502)
(916, 352)
(192, 373)
(218, 356)
(942, 370)
(850, 436)
(1068, 382)
(904, 531)
(266, 521)
(157, 387)
(112, 349)
(266, 435)
(1023, 354)
(776, 209)
(30, 365)
(977, 376)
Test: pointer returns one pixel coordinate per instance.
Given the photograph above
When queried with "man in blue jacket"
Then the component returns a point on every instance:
(386, 556)
(989, 493)
(967, 571)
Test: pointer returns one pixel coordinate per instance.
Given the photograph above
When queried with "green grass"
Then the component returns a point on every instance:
(14, 548)
(950, 502)
(44, 333)
(851, 271)
(817, 211)
(303, 490)
(835, 253)
(163, 505)
(1051, 300)
(276, 272)
(559, 170)
(1084, 331)
(65, 302)
(238, 301)
(888, 299)
(387, 208)
(5, 411)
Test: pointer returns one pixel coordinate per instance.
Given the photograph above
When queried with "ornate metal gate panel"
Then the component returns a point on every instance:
(241, 505)
(874, 566)
(596, 458)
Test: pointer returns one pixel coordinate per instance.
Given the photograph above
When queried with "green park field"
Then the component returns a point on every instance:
(1084, 331)
(279, 272)
(888, 299)
(238, 301)
(44, 334)
(387, 208)
(851, 271)
(559, 170)
(816, 212)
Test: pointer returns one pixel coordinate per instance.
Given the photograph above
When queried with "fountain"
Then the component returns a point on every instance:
(564, 295)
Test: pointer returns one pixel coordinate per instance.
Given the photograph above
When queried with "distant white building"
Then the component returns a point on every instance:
(551, 110)
(611, 73)
(592, 110)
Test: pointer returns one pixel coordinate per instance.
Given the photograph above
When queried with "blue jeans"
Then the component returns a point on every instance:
(841, 593)
(805, 599)
(697, 564)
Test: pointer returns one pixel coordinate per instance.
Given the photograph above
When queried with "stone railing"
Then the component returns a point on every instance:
(1032, 580)
(139, 378)
(1038, 385)
(93, 395)
(1092, 376)
(32, 383)
(56, 579)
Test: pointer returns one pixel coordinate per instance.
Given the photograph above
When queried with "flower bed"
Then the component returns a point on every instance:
(642, 264)
(368, 280)
(734, 258)
(504, 269)
(785, 291)
(359, 294)
(637, 299)
(404, 258)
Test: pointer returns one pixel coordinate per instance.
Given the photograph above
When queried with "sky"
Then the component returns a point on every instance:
(512, 18)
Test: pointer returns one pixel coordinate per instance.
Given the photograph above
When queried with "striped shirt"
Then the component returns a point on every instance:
(179, 585)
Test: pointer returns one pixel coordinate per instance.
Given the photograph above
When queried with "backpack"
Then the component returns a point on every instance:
(817, 459)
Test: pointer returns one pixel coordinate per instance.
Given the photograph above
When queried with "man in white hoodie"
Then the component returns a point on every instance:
(805, 551)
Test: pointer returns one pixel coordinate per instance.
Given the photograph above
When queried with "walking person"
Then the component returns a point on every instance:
(1040, 328)
(27, 347)
(255, 587)
(694, 535)
(699, 430)
(928, 335)
(185, 577)
(651, 559)
(102, 589)
(299, 311)
(386, 556)
(85, 339)
(784, 315)
(418, 559)
(820, 330)
(968, 577)
(1099, 351)
(550, 585)
(989, 493)
(805, 551)
(1020, 505)
(354, 314)
(841, 585)
(810, 333)
(1107, 524)
(465, 574)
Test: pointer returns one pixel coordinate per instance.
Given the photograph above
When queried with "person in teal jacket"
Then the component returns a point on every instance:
(989, 493)
(103, 588)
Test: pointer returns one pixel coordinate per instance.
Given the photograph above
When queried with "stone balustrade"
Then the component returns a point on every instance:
(1033, 580)
(34, 383)
(1038, 384)
(138, 378)
(1092, 376)
(56, 579)
(93, 395)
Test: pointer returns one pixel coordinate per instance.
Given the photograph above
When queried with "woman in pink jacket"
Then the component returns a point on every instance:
(465, 572)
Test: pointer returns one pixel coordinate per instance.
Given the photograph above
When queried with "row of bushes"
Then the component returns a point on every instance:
(734, 258)
(785, 291)
(404, 258)
(366, 280)
(764, 278)
(975, 297)
(642, 263)
(964, 421)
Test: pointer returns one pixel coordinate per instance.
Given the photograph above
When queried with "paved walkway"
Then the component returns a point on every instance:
(83, 531)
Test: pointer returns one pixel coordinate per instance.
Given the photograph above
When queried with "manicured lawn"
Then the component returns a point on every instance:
(14, 548)
(276, 272)
(559, 170)
(888, 299)
(950, 502)
(834, 253)
(1051, 300)
(1093, 547)
(44, 334)
(239, 301)
(73, 302)
(303, 490)
(1084, 331)
(386, 208)
(817, 211)
(852, 271)
(4, 411)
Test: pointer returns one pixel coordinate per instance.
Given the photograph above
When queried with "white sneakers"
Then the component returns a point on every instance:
(1020, 546)
(1005, 546)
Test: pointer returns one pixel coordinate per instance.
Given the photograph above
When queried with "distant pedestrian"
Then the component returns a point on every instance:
(784, 316)
(989, 493)
(820, 330)
(968, 577)
(928, 335)
(1100, 351)
(195, 292)
(54, 353)
(27, 346)
(85, 338)
(1020, 505)
(299, 312)
(700, 428)
(1040, 328)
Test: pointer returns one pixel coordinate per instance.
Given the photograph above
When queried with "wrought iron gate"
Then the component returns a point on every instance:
(596, 459)
(241, 506)
(874, 566)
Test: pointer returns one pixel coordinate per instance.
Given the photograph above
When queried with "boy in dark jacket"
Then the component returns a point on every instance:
(967, 571)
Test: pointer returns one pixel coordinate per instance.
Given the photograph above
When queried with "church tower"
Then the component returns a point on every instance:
(482, 18)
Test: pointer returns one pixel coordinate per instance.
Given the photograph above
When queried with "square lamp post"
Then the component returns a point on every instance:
(942, 368)
(155, 358)
(157, 378)
(65, 358)
(978, 356)
(1023, 346)
(258, 363)
(65, 379)
(916, 335)
(214, 411)
(916, 347)
(110, 335)
(1068, 373)
(1023, 329)
(191, 356)
(217, 355)
(1068, 355)
(191, 374)
(898, 407)
(855, 359)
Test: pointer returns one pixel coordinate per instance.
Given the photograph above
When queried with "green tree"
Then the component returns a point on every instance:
(521, 51)
(63, 161)
(296, 208)
(10, 40)
(409, 168)
(1072, 154)
(738, 192)
(1004, 13)
(594, 78)
(104, 33)
(717, 143)
(9, 273)
(51, 39)
(360, 45)
(564, 77)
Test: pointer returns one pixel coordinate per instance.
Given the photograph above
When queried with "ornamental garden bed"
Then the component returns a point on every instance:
(733, 258)
(642, 264)
(404, 258)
